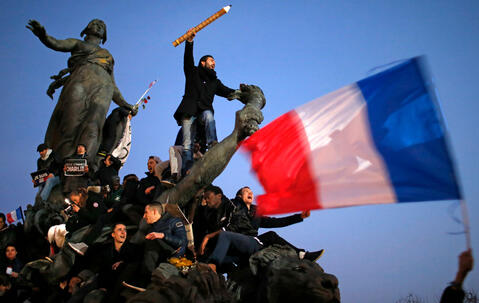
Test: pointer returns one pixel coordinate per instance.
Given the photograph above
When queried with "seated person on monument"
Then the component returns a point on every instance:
(209, 218)
(115, 261)
(176, 152)
(49, 164)
(108, 169)
(130, 207)
(230, 227)
(166, 238)
(150, 184)
(244, 202)
(87, 209)
(76, 172)
(112, 203)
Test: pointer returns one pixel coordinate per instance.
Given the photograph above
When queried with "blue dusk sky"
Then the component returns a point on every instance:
(295, 51)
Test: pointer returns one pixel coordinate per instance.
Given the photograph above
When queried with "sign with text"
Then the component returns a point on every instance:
(39, 177)
(75, 167)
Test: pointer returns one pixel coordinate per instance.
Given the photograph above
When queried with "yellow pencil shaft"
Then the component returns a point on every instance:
(200, 26)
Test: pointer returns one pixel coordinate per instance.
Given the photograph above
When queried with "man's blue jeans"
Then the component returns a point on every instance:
(45, 189)
(242, 246)
(189, 133)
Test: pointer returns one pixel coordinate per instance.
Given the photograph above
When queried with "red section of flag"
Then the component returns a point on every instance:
(279, 156)
(10, 219)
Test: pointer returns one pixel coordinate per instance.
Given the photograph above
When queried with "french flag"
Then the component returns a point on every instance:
(380, 140)
(14, 215)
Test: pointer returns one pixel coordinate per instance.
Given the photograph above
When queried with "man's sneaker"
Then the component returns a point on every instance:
(168, 183)
(80, 247)
(313, 256)
(137, 288)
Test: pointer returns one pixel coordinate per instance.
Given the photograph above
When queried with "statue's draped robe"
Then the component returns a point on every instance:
(84, 102)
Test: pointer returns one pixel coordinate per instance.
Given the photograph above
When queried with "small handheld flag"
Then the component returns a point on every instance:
(143, 100)
(15, 215)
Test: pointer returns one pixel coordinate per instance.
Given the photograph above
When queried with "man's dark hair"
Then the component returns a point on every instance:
(2, 215)
(158, 206)
(81, 144)
(156, 158)
(204, 58)
(130, 177)
(214, 189)
(115, 225)
(240, 191)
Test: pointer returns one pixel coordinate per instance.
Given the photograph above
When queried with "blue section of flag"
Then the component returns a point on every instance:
(18, 211)
(407, 130)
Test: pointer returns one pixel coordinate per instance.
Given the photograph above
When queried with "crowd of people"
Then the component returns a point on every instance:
(141, 232)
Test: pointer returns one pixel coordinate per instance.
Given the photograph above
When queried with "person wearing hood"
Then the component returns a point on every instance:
(201, 86)
(49, 162)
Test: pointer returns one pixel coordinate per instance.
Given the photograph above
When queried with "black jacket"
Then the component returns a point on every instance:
(88, 214)
(150, 180)
(261, 221)
(174, 231)
(200, 88)
(52, 164)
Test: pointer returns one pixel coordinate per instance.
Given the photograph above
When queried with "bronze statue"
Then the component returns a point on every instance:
(87, 91)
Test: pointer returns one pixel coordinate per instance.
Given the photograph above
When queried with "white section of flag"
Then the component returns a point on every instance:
(344, 161)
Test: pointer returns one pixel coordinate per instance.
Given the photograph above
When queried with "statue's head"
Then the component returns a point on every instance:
(96, 27)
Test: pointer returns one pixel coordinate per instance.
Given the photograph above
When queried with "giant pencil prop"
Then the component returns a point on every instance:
(203, 24)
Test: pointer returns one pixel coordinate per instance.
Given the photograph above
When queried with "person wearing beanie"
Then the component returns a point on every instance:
(201, 86)
(49, 162)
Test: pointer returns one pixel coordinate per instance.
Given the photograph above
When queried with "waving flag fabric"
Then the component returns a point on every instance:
(14, 215)
(380, 140)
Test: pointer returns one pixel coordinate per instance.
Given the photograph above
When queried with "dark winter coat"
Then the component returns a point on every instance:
(150, 180)
(106, 173)
(52, 164)
(261, 221)
(174, 231)
(200, 88)
(88, 214)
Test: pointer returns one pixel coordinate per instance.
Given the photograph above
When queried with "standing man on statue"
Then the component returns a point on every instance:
(201, 86)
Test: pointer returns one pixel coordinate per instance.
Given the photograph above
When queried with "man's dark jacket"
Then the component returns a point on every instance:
(150, 180)
(88, 214)
(200, 88)
(52, 164)
(174, 231)
(106, 255)
(255, 222)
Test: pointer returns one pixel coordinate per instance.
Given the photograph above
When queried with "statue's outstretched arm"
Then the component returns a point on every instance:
(205, 170)
(38, 30)
(118, 97)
